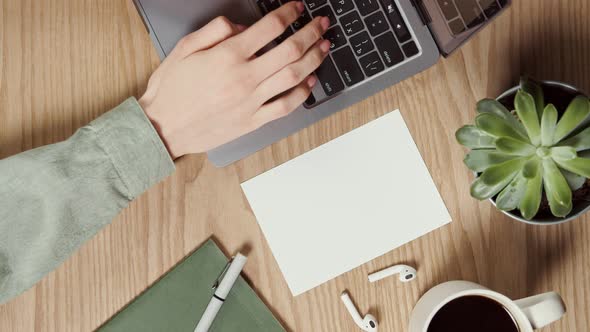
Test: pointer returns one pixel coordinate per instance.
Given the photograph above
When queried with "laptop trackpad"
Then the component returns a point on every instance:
(173, 19)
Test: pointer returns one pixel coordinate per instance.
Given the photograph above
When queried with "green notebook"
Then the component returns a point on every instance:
(177, 301)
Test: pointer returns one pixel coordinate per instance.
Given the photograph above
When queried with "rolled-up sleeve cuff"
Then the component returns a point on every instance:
(135, 148)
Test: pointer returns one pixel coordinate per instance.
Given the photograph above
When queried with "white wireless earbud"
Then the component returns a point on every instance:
(368, 323)
(406, 273)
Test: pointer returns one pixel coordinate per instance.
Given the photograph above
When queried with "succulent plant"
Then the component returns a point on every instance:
(520, 155)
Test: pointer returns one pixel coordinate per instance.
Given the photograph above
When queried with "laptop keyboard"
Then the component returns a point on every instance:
(367, 37)
(462, 15)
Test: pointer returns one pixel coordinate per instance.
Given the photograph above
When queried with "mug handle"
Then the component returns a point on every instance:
(542, 309)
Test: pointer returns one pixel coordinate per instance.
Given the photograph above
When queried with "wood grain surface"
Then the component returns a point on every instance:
(63, 63)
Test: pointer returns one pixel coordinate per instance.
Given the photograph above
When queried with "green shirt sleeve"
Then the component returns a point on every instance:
(54, 198)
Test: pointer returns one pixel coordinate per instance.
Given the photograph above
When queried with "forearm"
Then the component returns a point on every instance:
(54, 198)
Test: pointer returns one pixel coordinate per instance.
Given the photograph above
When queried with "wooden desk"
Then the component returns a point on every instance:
(64, 63)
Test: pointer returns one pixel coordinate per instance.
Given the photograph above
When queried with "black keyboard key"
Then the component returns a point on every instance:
(410, 49)
(329, 78)
(325, 11)
(288, 33)
(491, 11)
(310, 100)
(263, 7)
(315, 4)
(342, 6)
(267, 6)
(448, 9)
(366, 7)
(371, 64)
(347, 65)
(395, 18)
(470, 12)
(456, 26)
(273, 4)
(490, 7)
(361, 43)
(302, 21)
(376, 23)
(336, 37)
(389, 49)
(351, 23)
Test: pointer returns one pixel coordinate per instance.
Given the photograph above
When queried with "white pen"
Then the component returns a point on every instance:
(228, 277)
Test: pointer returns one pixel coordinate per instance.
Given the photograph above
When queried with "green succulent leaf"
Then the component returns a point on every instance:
(531, 168)
(495, 178)
(496, 108)
(480, 160)
(535, 90)
(574, 180)
(531, 200)
(557, 189)
(474, 138)
(497, 127)
(515, 147)
(548, 124)
(481, 191)
(525, 108)
(510, 197)
(502, 173)
(580, 166)
(580, 142)
(563, 153)
(577, 111)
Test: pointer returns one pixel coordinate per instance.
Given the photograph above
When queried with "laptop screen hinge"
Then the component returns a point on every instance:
(422, 12)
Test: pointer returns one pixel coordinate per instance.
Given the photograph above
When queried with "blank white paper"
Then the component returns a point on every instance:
(346, 202)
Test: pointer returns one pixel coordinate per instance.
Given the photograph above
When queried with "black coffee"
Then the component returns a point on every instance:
(473, 314)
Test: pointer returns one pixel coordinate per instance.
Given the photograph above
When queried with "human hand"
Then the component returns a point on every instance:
(212, 88)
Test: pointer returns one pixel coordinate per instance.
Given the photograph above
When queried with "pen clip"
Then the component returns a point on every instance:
(216, 284)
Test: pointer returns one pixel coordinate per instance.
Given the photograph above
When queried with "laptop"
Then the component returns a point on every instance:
(374, 45)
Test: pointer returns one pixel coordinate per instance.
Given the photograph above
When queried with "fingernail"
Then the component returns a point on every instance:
(300, 6)
(325, 46)
(311, 81)
(325, 22)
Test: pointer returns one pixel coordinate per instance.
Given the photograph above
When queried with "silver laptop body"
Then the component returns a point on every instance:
(422, 30)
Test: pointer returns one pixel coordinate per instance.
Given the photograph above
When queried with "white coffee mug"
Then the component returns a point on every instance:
(529, 314)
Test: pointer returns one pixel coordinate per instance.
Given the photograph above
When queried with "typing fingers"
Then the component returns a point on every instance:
(216, 31)
(267, 29)
(292, 74)
(285, 104)
(291, 49)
